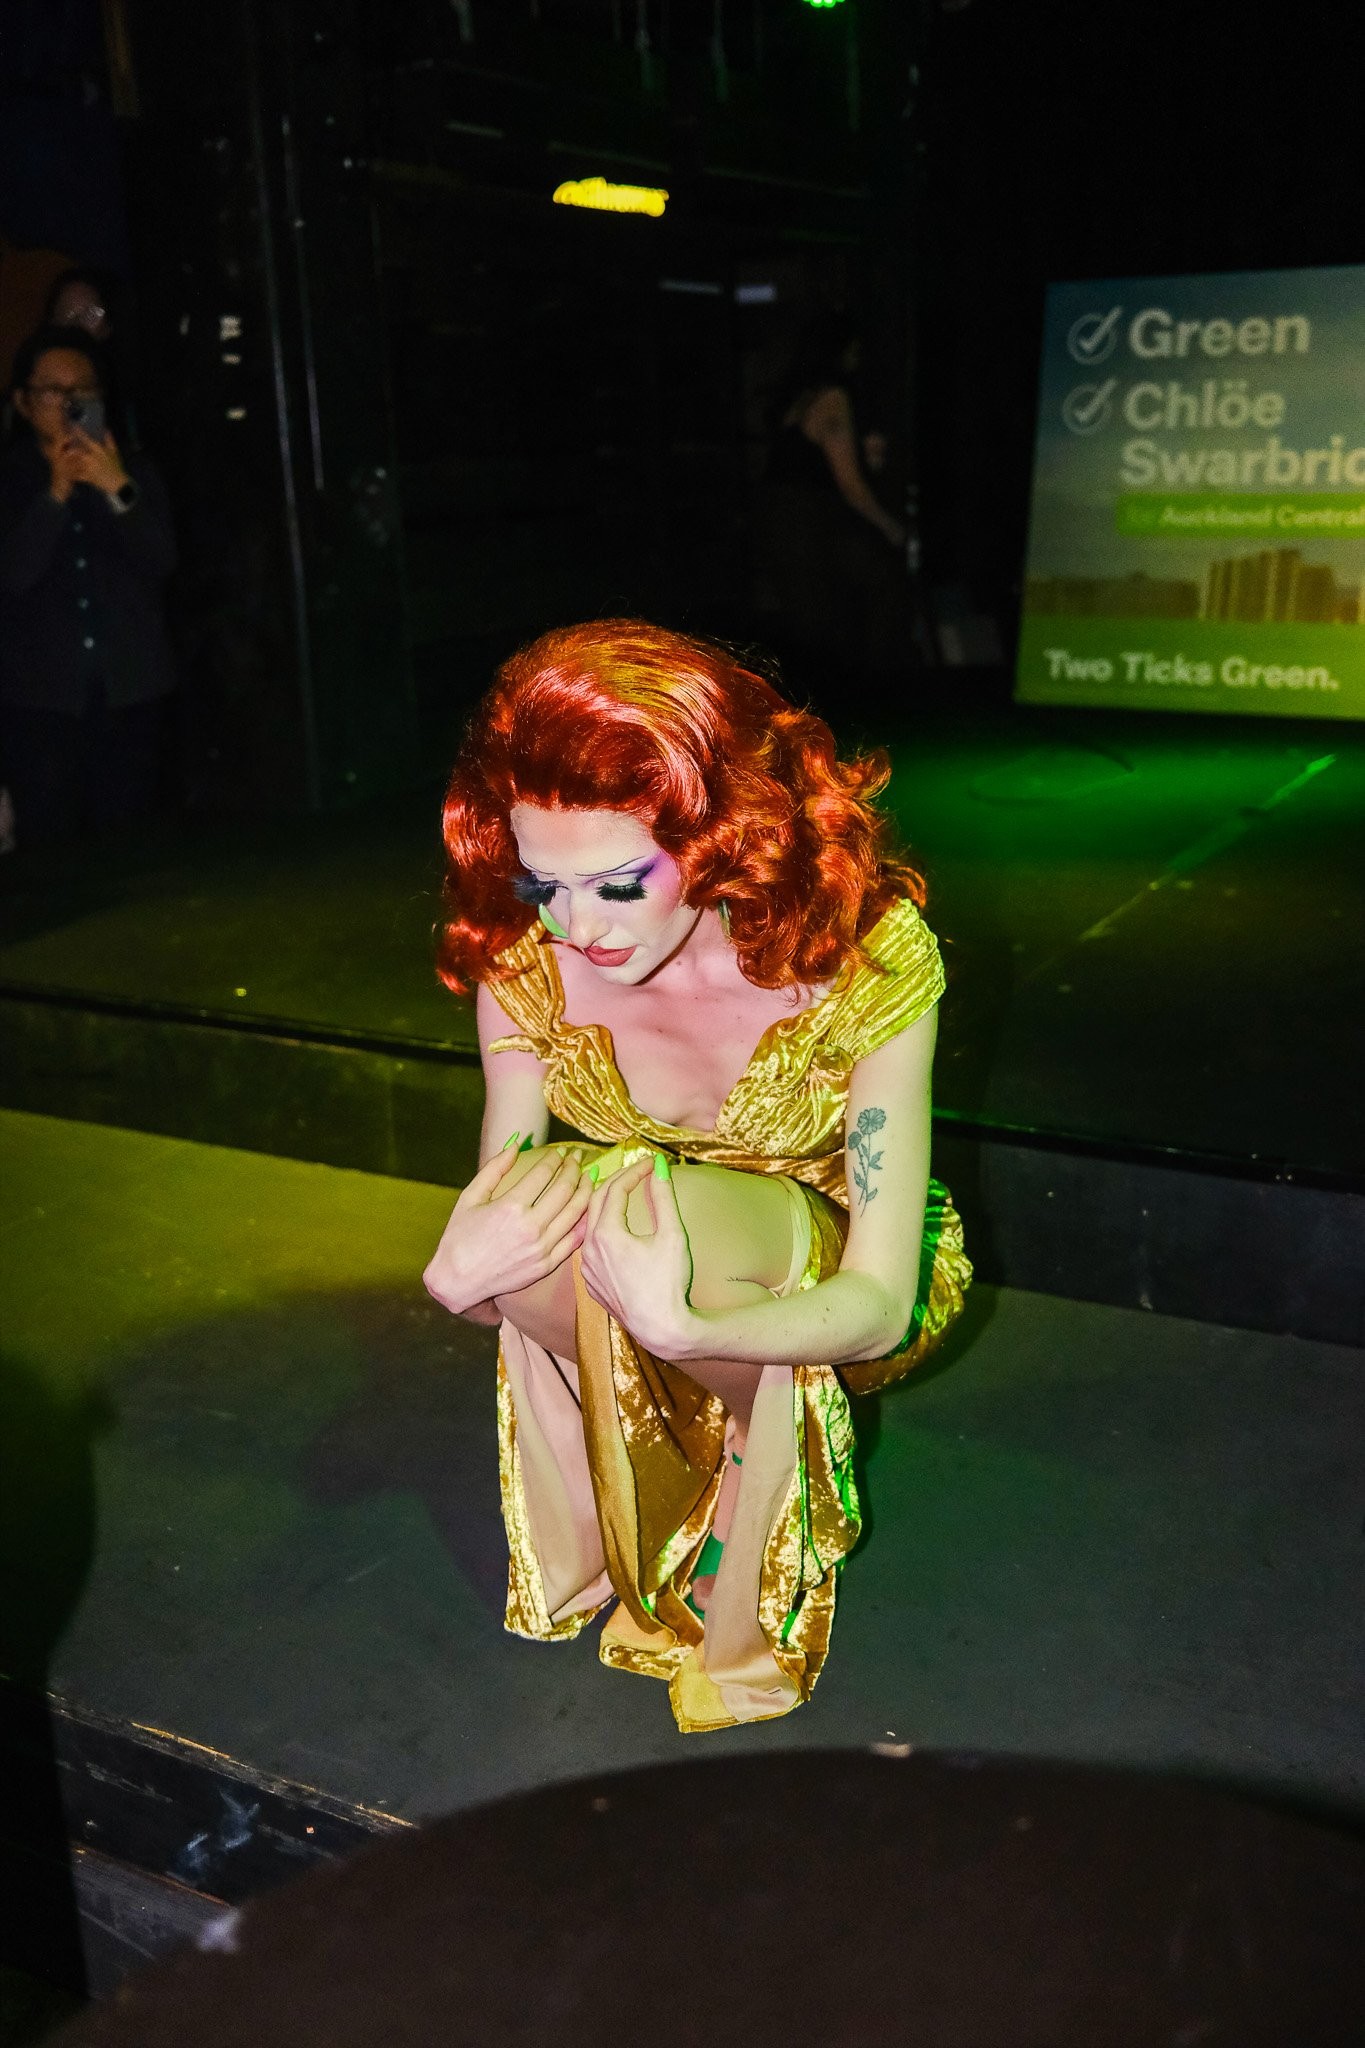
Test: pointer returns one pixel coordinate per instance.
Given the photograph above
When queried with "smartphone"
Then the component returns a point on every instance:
(88, 415)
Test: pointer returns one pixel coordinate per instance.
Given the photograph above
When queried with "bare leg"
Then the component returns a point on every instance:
(739, 1227)
(743, 1237)
(544, 1312)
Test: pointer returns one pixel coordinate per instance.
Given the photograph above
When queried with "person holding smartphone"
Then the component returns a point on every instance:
(85, 548)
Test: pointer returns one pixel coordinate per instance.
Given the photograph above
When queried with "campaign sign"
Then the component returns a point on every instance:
(1197, 540)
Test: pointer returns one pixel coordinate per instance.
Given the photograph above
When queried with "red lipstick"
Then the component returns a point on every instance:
(606, 956)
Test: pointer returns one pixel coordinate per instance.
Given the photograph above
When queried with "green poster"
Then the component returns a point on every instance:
(1197, 539)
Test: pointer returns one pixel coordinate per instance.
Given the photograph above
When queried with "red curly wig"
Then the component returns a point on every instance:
(742, 789)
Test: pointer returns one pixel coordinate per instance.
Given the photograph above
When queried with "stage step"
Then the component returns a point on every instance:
(121, 1842)
(406, 1106)
(1235, 1242)
(252, 1472)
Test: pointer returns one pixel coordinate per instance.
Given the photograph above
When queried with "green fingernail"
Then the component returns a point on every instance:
(528, 1144)
(662, 1169)
(591, 1172)
(513, 1142)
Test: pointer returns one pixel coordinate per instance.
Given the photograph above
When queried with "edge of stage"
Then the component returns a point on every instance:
(1149, 928)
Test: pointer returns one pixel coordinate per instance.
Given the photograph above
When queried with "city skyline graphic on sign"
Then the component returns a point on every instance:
(1271, 587)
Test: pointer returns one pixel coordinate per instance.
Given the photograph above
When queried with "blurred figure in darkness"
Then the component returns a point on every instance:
(96, 304)
(830, 554)
(85, 548)
(80, 298)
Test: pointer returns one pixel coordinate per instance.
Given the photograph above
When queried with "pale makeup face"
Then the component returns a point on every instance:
(616, 894)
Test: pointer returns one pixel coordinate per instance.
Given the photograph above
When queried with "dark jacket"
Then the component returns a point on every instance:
(80, 590)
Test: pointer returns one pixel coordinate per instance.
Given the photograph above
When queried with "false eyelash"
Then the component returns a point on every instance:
(528, 890)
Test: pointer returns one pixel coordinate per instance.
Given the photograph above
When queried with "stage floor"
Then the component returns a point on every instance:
(1152, 928)
(259, 1475)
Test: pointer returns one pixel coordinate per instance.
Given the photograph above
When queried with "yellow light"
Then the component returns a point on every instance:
(604, 198)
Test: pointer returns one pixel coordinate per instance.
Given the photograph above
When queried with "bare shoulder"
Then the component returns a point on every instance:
(829, 413)
(492, 1019)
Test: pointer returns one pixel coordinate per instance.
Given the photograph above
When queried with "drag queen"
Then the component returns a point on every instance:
(691, 945)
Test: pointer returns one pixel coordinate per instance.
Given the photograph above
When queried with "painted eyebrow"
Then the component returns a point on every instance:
(644, 862)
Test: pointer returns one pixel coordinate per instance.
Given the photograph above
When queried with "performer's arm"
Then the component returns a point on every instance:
(514, 1082)
(864, 1309)
(829, 424)
(491, 1247)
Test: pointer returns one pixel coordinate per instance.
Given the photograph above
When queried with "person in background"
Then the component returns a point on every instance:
(81, 298)
(830, 552)
(96, 304)
(85, 548)
(817, 440)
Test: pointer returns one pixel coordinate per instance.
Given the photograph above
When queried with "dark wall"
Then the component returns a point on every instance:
(446, 413)
(61, 183)
(583, 400)
(449, 412)
(266, 397)
(1071, 141)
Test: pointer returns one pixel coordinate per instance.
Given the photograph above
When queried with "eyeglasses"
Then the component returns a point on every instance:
(54, 394)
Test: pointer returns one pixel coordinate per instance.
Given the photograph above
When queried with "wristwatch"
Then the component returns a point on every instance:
(125, 497)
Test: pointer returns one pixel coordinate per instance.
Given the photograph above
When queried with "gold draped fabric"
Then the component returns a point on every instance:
(611, 1462)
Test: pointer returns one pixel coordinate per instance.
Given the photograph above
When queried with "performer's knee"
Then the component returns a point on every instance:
(544, 1311)
(739, 1229)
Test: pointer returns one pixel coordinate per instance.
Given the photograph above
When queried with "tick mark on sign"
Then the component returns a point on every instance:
(1092, 337)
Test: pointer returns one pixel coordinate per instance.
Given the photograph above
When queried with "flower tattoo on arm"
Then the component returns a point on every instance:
(865, 1160)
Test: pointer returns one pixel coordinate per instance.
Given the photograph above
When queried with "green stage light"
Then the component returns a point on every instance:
(824, 3)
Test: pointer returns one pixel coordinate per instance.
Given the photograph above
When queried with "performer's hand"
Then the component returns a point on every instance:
(642, 1280)
(498, 1242)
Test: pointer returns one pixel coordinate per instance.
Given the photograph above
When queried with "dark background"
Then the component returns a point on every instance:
(412, 412)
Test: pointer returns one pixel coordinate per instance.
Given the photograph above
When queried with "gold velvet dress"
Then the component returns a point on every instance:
(611, 1463)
